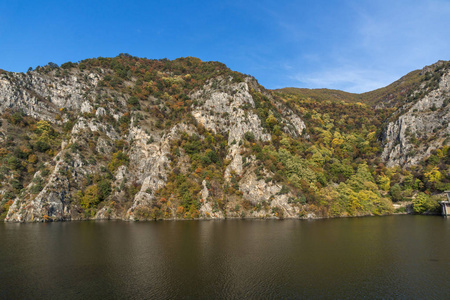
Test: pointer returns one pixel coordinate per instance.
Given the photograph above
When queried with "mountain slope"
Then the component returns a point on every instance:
(113, 131)
(137, 139)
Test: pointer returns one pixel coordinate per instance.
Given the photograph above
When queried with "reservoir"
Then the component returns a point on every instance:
(375, 257)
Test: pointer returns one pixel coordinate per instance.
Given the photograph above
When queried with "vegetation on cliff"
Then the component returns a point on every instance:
(135, 138)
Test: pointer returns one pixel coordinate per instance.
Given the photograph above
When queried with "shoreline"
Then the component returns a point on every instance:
(219, 219)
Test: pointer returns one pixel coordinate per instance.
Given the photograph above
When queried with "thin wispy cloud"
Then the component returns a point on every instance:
(387, 40)
(349, 79)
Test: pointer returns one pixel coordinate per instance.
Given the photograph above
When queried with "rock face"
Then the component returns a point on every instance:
(221, 110)
(149, 165)
(82, 180)
(42, 96)
(421, 125)
(51, 202)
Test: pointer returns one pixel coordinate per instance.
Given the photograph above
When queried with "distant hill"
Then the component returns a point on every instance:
(321, 94)
(393, 95)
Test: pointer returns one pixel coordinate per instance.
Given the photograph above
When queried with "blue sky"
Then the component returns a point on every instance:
(350, 45)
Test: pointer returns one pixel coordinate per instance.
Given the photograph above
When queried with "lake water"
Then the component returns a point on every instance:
(376, 257)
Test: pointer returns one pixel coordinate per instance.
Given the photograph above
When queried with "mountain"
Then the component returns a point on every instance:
(137, 139)
(418, 112)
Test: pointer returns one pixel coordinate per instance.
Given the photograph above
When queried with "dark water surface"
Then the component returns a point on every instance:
(380, 257)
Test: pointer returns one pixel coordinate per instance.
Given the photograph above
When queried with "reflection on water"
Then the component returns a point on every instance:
(380, 257)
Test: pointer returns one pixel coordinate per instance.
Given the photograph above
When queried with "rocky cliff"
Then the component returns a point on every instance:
(420, 125)
(118, 154)
(136, 139)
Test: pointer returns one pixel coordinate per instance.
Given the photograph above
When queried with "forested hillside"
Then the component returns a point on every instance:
(138, 139)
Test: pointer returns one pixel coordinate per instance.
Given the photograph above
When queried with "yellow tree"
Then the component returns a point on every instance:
(90, 197)
(433, 175)
(384, 183)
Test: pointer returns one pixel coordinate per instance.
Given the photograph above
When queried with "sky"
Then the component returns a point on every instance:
(351, 45)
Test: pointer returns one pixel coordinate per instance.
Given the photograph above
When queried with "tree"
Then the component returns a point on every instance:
(271, 121)
(45, 130)
(357, 181)
(420, 203)
(52, 65)
(249, 136)
(104, 189)
(396, 192)
(42, 146)
(90, 198)
(384, 183)
(433, 175)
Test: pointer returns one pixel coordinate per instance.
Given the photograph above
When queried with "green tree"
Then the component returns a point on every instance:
(424, 203)
(396, 192)
(104, 189)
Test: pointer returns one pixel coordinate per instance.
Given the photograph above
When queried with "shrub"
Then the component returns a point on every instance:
(41, 146)
(119, 158)
(249, 136)
(134, 102)
(424, 203)
(104, 189)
